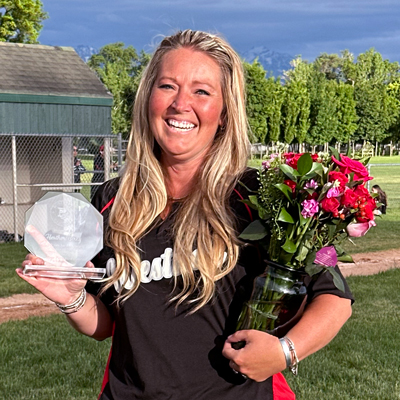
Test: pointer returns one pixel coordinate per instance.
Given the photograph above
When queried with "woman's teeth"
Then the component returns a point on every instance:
(180, 124)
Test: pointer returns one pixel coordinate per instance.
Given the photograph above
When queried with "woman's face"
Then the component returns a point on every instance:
(186, 104)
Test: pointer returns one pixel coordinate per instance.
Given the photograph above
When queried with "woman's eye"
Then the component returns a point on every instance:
(203, 92)
(165, 86)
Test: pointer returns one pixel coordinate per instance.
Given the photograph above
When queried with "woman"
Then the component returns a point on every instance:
(179, 198)
(381, 199)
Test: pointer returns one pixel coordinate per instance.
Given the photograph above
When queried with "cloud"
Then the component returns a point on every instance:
(306, 27)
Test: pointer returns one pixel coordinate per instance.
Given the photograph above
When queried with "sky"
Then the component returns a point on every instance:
(295, 27)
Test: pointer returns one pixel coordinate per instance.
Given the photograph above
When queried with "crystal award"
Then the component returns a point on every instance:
(66, 231)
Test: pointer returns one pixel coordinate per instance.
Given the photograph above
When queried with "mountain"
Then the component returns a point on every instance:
(85, 52)
(273, 62)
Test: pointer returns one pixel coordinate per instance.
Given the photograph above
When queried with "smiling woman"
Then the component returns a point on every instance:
(177, 274)
(186, 107)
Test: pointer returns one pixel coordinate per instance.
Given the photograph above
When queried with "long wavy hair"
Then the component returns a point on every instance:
(204, 221)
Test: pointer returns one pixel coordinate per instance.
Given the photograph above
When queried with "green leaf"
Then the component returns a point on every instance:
(250, 204)
(289, 172)
(310, 258)
(337, 280)
(285, 189)
(284, 216)
(254, 231)
(313, 269)
(303, 253)
(334, 152)
(331, 230)
(253, 199)
(304, 164)
(289, 246)
(316, 168)
(345, 258)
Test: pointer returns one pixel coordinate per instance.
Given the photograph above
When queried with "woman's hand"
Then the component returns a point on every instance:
(260, 358)
(62, 291)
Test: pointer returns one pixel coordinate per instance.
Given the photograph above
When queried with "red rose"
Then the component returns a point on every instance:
(292, 158)
(349, 198)
(361, 191)
(330, 205)
(315, 157)
(348, 165)
(291, 184)
(338, 176)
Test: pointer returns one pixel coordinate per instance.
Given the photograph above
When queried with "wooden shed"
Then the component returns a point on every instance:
(48, 96)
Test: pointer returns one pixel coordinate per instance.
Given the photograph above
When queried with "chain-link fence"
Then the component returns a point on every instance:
(31, 165)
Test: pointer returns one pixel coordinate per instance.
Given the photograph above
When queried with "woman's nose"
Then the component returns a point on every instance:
(182, 101)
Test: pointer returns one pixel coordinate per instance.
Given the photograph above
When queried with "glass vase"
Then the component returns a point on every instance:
(277, 300)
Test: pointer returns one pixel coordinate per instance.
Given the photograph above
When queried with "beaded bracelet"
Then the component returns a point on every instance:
(292, 362)
(75, 306)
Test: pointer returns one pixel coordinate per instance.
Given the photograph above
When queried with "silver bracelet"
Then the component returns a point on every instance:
(292, 362)
(286, 352)
(75, 306)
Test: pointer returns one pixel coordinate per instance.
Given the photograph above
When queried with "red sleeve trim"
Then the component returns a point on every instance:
(247, 207)
(281, 389)
(107, 205)
(106, 371)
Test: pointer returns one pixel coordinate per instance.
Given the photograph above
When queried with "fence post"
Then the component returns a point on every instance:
(119, 149)
(14, 179)
(107, 163)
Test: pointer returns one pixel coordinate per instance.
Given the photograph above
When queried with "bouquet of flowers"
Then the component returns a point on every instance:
(307, 205)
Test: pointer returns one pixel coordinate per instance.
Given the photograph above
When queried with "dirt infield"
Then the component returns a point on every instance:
(22, 306)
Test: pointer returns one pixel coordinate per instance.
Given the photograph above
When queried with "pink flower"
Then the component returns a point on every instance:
(333, 192)
(326, 256)
(359, 229)
(311, 184)
(348, 165)
(310, 207)
(266, 164)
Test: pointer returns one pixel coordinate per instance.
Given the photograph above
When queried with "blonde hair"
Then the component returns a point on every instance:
(204, 221)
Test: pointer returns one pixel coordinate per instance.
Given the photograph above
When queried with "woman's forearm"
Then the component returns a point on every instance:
(320, 323)
(93, 319)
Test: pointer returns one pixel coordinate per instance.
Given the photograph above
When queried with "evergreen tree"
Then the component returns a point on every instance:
(256, 101)
(346, 113)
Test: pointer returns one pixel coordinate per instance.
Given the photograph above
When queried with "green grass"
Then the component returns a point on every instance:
(11, 257)
(362, 361)
(43, 357)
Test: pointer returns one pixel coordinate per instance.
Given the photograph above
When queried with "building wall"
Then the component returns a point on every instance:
(54, 118)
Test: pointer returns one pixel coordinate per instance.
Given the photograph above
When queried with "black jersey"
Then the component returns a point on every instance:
(163, 352)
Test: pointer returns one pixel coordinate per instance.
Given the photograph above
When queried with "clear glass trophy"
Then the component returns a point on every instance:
(66, 231)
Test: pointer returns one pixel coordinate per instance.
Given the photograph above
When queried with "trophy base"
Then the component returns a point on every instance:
(48, 271)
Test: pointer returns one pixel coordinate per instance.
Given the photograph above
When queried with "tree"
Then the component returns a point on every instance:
(120, 68)
(256, 100)
(393, 90)
(276, 97)
(324, 117)
(346, 113)
(296, 107)
(21, 20)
